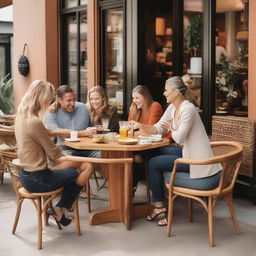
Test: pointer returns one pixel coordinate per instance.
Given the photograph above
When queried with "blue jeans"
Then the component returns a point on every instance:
(48, 180)
(160, 168)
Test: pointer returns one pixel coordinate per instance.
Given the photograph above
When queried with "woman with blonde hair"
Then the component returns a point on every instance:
(36, 150)
(143, 109)
(97, 103)
(185, 124)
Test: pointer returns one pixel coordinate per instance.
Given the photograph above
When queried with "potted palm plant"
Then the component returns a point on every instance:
(6, 95)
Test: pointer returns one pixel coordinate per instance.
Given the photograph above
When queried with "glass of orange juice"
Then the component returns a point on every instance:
(123, 129)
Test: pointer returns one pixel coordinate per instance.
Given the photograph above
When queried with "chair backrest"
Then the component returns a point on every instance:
(12, 169)
(229, 154)
(7, 135)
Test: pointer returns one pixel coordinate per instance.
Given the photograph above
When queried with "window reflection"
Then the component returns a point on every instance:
(72, 52)
(83, 57)
(193, 48)
(232, 58)
(114, 78)
(71, 3)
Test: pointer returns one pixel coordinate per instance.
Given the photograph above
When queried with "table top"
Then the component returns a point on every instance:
(87, 143)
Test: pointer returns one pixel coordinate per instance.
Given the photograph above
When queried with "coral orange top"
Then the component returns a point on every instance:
(151, 116)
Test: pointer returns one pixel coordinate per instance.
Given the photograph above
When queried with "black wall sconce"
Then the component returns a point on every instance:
(23, 64)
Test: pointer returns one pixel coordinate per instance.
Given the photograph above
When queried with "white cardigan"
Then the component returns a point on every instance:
(190, 133)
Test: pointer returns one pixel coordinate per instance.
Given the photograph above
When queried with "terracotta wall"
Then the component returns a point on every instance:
(252, 61)
(30, 21)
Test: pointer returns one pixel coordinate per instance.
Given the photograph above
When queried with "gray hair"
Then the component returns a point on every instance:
(176, 83)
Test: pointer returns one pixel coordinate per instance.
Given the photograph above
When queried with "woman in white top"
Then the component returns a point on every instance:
(184, 122)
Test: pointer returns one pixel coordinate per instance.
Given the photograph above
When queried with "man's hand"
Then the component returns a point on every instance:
(88, 132)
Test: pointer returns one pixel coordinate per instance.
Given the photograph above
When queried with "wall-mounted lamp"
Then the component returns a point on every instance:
(23, 64)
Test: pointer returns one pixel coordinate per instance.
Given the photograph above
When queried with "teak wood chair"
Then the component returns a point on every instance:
(227, 153)
(40, 200)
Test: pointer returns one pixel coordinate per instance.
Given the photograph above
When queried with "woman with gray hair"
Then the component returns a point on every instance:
(187, 129)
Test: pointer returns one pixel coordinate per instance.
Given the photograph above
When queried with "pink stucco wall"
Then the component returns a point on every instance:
(30, 21)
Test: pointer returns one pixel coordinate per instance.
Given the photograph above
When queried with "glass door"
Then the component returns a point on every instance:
(112, 62)
(74, 47)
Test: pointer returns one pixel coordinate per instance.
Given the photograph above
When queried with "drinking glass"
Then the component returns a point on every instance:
(99, 129)
(105, 123)
(123, 129)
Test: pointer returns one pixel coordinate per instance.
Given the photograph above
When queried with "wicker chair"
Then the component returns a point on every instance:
(229, 154)
(7, 147)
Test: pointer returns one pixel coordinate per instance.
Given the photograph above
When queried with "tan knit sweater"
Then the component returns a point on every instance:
(34, 144)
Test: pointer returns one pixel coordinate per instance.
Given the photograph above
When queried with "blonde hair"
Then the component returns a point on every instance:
(36, 100)
(105, 108)
(144, 91)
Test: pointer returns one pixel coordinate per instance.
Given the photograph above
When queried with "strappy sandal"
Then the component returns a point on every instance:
(152, 217)
(162, 222)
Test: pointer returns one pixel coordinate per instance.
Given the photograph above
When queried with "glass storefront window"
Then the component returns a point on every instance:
(2, 62)
(83, 2)
(72, 52)
(232, 58)
(192, 48)
(74, 49)
(71, 3)
(155, 46)
(83, 57)
(114, 61)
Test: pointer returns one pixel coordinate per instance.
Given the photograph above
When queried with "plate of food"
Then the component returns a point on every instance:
(72, 140)
(156, 137)
(152, 137)
(128, 141)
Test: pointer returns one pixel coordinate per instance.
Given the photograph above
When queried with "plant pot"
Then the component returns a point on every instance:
(196, 65)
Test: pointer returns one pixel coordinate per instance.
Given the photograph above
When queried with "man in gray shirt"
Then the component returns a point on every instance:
(66, 115)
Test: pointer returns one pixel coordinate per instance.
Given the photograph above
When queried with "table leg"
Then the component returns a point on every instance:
(120, 192)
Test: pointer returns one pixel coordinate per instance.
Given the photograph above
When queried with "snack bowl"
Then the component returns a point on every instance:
(98, 138)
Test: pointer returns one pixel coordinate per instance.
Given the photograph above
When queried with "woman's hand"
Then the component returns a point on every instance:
(135, 125)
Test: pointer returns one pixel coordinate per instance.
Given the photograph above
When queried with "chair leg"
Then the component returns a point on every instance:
(96, 179)
(88, 190)
(39, 218)
(76, 216)
(190, 210)
(229, 200)
(17, 215)
(2, 177)
(170, 215)
(44, 213)
(210, 220)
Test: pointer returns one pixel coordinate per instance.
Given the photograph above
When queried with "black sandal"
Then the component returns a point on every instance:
(150, 218)
(64, 221)
(162, 222)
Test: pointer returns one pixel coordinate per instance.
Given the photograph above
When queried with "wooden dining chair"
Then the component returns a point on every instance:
(41, 201)
(227, 153)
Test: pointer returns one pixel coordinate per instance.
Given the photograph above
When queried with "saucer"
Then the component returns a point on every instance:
(128, 141)
(72, 140)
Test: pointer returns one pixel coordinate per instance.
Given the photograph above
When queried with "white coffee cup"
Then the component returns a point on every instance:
(73, 135)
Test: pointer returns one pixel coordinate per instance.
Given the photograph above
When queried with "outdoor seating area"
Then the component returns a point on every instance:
(127, 127)
(144, 238)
